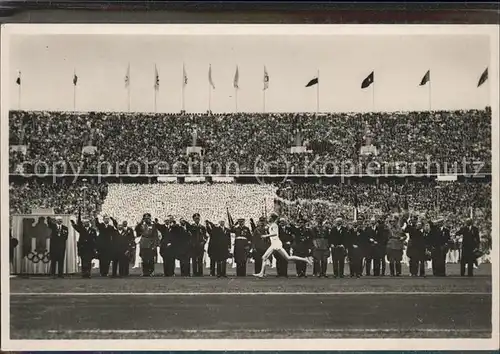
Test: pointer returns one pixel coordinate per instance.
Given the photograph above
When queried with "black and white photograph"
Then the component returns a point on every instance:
(249, 187)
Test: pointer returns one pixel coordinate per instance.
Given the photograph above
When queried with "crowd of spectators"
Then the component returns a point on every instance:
(453, 201)
(27, 196)
(388, 196)
(243, 139)
(212, 201)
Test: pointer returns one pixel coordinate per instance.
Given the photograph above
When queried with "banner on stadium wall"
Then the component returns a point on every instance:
(31, 256)
(18, 148)
(223, 179)
(446, 178)
(89, 150)
(194, 179)
(368, 150)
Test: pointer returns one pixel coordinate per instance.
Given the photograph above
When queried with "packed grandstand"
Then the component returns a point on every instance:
(119, 139)
(235, 143)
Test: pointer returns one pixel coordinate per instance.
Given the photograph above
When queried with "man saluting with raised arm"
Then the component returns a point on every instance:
(276, 246)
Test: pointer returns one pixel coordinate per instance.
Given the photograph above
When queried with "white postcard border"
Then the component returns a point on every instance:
(286, 344)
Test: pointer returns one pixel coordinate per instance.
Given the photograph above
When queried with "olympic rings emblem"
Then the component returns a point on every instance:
(36, 257)
(46, 257)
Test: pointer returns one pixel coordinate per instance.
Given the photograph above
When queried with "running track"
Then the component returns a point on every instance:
(251, 308)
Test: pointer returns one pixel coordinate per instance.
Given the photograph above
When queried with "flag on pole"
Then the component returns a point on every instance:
(18, 80)
(483, 78)
(230, 219)
(266, 79)
(210, 81)
(426, 78)
(127, 76)
(236, 78)
(157, 79)
(184, 76)
(370, 79)
(313, 82)
(75, 79)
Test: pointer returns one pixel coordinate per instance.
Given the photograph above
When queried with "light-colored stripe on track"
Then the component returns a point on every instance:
(255, 293)
(295, 330)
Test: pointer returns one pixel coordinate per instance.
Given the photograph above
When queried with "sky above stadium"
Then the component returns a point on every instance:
(47, 64)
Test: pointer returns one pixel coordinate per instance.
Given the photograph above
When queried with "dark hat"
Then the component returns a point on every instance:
(241, 219)
(262, 219)
(196, 215)
(146, 215)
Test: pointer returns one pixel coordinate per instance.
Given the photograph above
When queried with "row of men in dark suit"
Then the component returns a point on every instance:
(371, 243)
(368, 243)
(432, 241)
(112, 243)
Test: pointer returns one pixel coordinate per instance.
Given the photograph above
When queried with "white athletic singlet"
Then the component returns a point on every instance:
(275, 240)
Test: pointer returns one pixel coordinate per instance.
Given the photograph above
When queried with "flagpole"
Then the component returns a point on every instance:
(74, 91)
(373, 97)
(430, 93)
(209, 97)
(317, 95)
(155, 100)
(128, 88)
(183, 96)
(264, 101)
(236, 99)
(19, 92)
(128, 93)
(183, 86)
(266, 86)
(488, 99)
(155, 88)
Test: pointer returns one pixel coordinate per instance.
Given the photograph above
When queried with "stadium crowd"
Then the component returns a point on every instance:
(26, 196)
(243, 138)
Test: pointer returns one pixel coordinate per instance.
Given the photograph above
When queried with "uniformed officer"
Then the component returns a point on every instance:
(302, 246)
(320, 250)
(199, 238)
(86, 244)
(286, 238)
(149, 242)
(259, 244)
(395, 246)
(242, 244)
